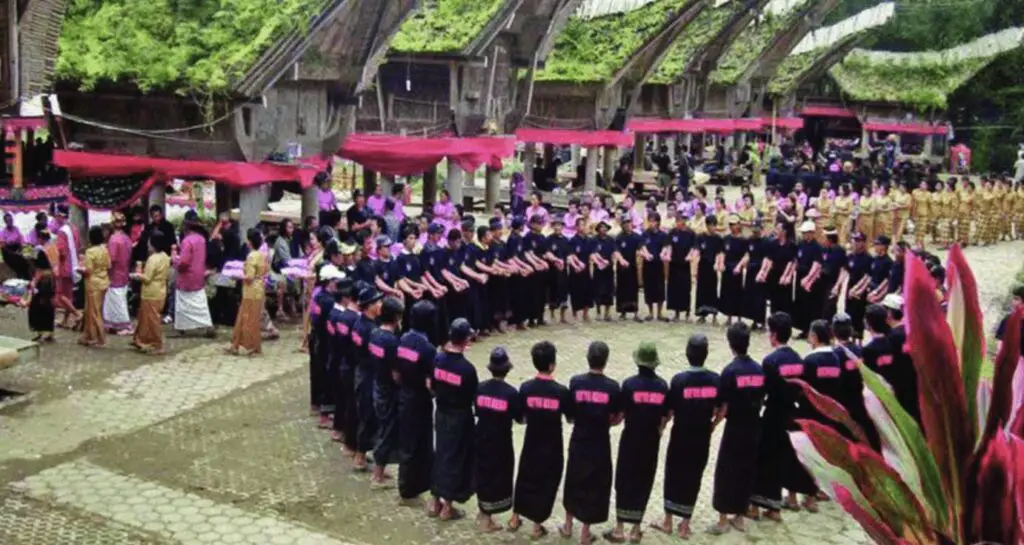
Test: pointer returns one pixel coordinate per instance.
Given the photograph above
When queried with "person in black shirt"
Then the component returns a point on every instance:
(757, 264)
(366, 435)
(682, 252)
(357, 217)
(498, 405)
(383, 352)
(849, 354)
(319, 352)
(823, 373)
(385, 272)
(877, 351)
(604, 274)
(343, 318)
(556, 250)
(594, 408)
(691, 402)
(581, 293)
(808, 303)
(454, 383)
(740, 396)
(457, 301)
(734, 248)
(627, 281)
(712, 262)
(535, 246)
(782, 270)
(858, 265)
(899, 253)
(881, 267)
(542, 458)
(833, 264)
(415, 406)
(654, 253)
(644, 412)
(901, 375)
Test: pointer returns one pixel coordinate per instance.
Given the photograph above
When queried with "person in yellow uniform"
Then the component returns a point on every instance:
(826, 208)
(965, 206)
(921, 212)
(943, 209)
(884, 212)
(698, 223)
(866, 212)
(246, 334)
(149, 333)
(746, 214)
(842, 212)
(988, 211)
(902, 201)
(1018, 211)
(1004, 196)
(96, 270)
(769, 210)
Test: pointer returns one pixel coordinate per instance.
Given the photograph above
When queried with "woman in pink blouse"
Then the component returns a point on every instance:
(444, 212)
(12, 241)
(536, 208)
(376, 201)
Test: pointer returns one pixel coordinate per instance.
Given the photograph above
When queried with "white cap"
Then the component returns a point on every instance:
(893, 301)
(330, 272)
(807, 227)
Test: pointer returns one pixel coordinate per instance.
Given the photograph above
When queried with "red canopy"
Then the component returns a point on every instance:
(566, 137)
(827, 111)
(785, 123)
(18, 123)
(906, 128)
(235, 174)
(745, 124)
(405, 156)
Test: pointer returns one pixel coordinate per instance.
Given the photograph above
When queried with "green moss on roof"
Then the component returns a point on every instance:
(591, 50)
(181, 45)
(444, 26)
(914, 81)
(704, 28)
(792, 67)
(752, 42)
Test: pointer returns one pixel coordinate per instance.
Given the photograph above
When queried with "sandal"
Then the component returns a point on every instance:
(612, 537)
(562, 532)
(661, 528)
(542, 533)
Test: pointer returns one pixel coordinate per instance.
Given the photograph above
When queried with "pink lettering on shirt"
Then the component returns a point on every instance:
(448, 377)
(341, 329)
(408, 354)
(749, 381)
(700, 392)
(791, 369)
(357, 338)
(828, 372)
(330, 328)
(376, 351)
(591, 396)
(884, 360)
(315, 310)
(648, 398)
(850, 365)
(492, 403)
(542, 403)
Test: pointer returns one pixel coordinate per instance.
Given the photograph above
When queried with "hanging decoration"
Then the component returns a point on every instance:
(110, 192)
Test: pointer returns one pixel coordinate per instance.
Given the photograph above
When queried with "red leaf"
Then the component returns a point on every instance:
(875, 528)
(991, 492)
(897, 505)
(831, 409)
(1002, 381)
(968, 327)
(941, 395)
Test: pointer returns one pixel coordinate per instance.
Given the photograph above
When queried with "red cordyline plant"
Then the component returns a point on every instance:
(962, 485)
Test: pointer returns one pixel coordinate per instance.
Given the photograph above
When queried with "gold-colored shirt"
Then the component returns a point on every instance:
(825, 207)
(922, 203)
(255, 270)
(154, 277)
(901, 202)
(843, 206)
(97, 262)
(868, 205)
(1018, 200)
(965, 202)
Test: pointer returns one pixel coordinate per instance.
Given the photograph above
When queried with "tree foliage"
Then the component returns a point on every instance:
(444, 26)
(180, 45)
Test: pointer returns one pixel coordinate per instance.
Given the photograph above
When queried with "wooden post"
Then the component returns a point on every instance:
(493, 191)
(429, 188)
(369, 181)
(611, 157)
(12, 147)
(529, 160)
(454, 182)
(252, 202)
(590, 183)
(387, 183)
(158, 196)
(639, 143)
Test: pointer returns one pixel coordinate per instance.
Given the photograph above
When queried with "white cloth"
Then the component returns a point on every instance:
(115, 308)
(76, 275)
(191, 310)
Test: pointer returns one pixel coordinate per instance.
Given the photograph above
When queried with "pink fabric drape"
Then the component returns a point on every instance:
(405, 156)
(566, 137)
(905, 128)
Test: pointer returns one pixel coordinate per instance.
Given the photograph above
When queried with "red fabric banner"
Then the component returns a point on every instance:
(784, 123)
(746, 124)
(906, 128)
(234, 174)
(827, 111)
(406, 156)
(18, 123)
(566, 137)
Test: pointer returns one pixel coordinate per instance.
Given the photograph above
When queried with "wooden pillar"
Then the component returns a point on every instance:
(639, 143)
(493, 191)
(369, 181)
(79, 218)
(454, 182)
(670, 142)
(310, 206)
(429, 188)
(549, 154)
(590, 182)
(14, 158)
(251, 204)
(387, 183)
(223, 197)
(611, 157)
(864, 144)
(529, 160)
(158, 196)
(929, 141)
(576, 151)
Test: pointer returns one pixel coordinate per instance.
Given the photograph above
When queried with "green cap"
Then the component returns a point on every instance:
(646, 355)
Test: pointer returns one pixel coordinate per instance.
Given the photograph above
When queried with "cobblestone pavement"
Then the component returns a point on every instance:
(199, 447)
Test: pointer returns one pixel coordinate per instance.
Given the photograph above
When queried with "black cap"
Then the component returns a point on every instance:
(499, 361)
(604, 224)
(369, 296)
(191, 216)
(882, 240)
(859, 236)
(345, 287)
(460, 331)
(518, 222)
(468, 223)
(435, 229)
(496, 224)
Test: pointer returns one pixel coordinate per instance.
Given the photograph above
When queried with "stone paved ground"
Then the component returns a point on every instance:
(198, 448)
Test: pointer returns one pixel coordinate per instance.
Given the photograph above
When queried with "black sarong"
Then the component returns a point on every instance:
(654, 282)
(540, 473)
(495, 465)
(636, 466)
(731, 303)
(349, 420)
(581, 290)
(627, 289)
(519, 304)
(416, 443)
(366, 437)
(707, 288)
(538, 294)
(781, 296)
(385, 406)
(588, 480)
(737, 463)
(497, 298)
(855, 309)
(755, 306)
(604, 286)
(807, 306)
(453, 460)
(558, 288)
(680, 283)
(479, 308)
(684, 468)
(776, 465)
